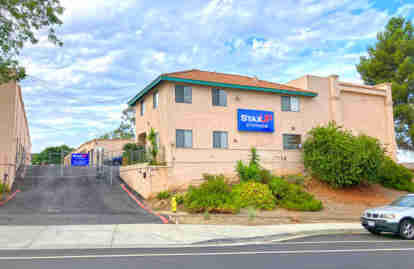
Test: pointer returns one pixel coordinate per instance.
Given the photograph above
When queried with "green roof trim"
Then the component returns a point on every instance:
(154, 83)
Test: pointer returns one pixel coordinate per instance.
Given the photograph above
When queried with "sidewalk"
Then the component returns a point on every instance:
(155, 235)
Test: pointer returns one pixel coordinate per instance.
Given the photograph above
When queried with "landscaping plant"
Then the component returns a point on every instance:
(164, 195)
(253, 194)
(395, 176)
(152, 137)
(340, 158)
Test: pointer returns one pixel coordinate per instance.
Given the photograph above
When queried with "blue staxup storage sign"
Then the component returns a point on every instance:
(255, 121)
(80, 159)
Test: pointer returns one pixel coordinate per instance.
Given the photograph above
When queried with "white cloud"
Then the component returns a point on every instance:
(272, 48)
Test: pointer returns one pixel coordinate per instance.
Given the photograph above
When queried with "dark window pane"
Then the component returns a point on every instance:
(180, 138)
(291, 141)
(179, 94)
(155, 99)
(219, 97)
(285, 103)
(142, 108)
(220, 139)
(188, 95)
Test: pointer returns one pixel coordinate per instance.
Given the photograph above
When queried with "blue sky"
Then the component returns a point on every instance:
(113, 48)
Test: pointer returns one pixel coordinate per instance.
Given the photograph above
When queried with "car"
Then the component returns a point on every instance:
(397, 218)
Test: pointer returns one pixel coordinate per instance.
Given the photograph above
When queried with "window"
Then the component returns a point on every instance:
(142, 108)
(220, 139)
(290, 103)
(183, 94)
(184, 138)
(291, 141)
(219, 97)
(155, 97)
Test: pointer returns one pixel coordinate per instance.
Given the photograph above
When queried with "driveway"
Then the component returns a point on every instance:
(49, 199)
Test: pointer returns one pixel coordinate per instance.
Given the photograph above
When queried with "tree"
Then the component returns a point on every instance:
(392, 60)
(20, 20)
(51, 155)
(152, 137)
(126, 129)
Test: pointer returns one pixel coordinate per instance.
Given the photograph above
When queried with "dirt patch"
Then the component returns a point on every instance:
(340, 205)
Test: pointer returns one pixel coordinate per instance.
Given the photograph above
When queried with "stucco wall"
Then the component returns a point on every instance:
(14, 131)
(336, 101)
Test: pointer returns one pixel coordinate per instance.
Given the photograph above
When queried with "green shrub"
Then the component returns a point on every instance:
(279, 188)
(253, 194)
(133, 154)
(214, 195)
(298, 199)
(248, 172)
(395, 176)
(341, 159)
(297, 179)
(164, 195)
(180, 199)
(292, 196)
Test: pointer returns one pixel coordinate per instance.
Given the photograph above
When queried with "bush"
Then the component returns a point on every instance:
(292, 196)
(341, 159)
(214, 195)
(133, 154)
(248, 172)
(164, 195)
(395, 176)
(298, 179)
(253, 194)
(180, 199)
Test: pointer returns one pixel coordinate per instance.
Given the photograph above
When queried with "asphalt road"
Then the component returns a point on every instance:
(77, 198)
(324, 252)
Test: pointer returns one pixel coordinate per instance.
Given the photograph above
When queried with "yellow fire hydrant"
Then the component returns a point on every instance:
(174, 204)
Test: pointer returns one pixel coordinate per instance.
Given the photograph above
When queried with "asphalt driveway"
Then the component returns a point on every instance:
(49, 199)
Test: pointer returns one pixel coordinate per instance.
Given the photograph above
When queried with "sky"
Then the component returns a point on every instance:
(113, 49)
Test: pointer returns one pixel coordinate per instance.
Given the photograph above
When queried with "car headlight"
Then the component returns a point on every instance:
(388, 216)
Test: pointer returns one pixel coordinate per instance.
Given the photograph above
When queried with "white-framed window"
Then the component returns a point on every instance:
(219, 97)
(183, 94)
(184, 138)
(142, 108)
(220, 139)
(290, 103)
(155, 99)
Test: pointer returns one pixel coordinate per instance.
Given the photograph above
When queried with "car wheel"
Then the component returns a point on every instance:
(374, 232)
(407, 229)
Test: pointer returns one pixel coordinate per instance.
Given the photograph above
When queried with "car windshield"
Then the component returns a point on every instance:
(405, 201)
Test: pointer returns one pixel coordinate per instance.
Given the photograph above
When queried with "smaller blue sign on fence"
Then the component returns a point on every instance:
(80, 159)
(255, 121)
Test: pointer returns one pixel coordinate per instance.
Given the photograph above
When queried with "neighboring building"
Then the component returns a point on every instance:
(206, 121)
(15, 144)
(111, 148)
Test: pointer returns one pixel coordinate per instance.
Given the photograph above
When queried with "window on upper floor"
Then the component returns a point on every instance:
(155, 97)
(220, 139)
(184, 138)
(291, 141)
(142, 108)
(290, 103)
(219, 97)
(183, 94)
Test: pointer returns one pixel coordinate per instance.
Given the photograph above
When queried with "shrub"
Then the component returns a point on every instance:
(253, 194)
(164, 195)
(298, 199)
(180, 199)
(133, 154)
(341, 159)
(292, 196)
(298, 179)
(214, 195)
(248, 172)
(395, 176)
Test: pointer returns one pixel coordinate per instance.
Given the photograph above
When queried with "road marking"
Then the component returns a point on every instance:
(211, 254)
(336, 242)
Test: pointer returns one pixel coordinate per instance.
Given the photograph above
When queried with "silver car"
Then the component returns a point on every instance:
(397, 218)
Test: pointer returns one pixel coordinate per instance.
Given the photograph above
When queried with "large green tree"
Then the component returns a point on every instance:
(20, 22)
(126, 129)
(51, 155)
(392, 60)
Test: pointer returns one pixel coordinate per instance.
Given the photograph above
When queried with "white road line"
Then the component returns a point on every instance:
(336, 242)
(211, 254)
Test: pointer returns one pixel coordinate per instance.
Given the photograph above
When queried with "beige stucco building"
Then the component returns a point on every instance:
(197, 116)
(15, 144)
(109, 148)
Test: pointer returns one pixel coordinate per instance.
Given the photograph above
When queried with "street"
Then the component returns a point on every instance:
(349, 251)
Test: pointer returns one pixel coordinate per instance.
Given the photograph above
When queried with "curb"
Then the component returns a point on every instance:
(10, 197)
(278, 237)
(163, 219)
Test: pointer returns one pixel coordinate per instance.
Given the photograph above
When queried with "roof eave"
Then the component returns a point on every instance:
(216, 84)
